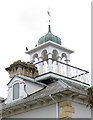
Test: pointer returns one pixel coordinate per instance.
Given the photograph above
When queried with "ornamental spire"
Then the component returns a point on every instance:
(48, 12)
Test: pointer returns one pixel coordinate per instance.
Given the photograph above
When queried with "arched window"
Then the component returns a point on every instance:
(55, 54)
(44, 54)
(16, 91)
(64, 57)
(35, 58)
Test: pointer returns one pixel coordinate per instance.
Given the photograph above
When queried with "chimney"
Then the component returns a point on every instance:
(22, 68)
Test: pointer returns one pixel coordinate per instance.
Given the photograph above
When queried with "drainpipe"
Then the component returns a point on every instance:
(56, 105)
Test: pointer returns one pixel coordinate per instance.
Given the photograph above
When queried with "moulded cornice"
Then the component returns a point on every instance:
(49, 43)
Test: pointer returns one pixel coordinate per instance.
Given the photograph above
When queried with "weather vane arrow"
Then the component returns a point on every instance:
(48, 13)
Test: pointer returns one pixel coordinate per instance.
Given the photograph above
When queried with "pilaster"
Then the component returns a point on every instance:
(67, 109)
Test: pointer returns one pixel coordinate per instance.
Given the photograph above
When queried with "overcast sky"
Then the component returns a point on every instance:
(23, 22)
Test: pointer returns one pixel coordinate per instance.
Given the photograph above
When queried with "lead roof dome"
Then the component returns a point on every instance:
(49, 37)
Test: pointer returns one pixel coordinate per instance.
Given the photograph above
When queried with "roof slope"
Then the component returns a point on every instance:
(57, 87)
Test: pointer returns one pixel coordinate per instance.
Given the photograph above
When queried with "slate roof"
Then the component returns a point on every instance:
(57, 87)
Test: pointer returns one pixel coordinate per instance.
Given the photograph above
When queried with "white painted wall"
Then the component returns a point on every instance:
(49, 49)
(45, 112)
(81, 111)
(10, 89)
(49, 67)
(32, 87)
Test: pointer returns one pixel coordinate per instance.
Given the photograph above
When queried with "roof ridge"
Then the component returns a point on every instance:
(63, 84)
(31, 79)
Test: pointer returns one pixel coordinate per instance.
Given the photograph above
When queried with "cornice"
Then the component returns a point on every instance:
(49, 43)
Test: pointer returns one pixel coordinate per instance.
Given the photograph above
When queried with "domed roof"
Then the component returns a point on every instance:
(49, 37)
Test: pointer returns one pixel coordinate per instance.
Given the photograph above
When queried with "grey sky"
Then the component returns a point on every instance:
(23, 22)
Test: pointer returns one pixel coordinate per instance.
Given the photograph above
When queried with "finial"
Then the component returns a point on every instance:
(49, 20)
(49, 30)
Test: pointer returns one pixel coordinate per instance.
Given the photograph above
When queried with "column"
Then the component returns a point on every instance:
(50, 65)
(59, 66)
(40, 69)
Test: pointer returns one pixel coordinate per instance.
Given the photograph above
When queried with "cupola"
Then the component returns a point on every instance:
(49, 37)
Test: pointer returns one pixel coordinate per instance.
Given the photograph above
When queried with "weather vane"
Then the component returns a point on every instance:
(49, 15)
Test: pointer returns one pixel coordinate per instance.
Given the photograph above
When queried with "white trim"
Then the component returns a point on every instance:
(49, 43)
(56, 76)
(57, 114)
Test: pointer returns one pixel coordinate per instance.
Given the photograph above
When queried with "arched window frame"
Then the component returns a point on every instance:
(15, 97)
